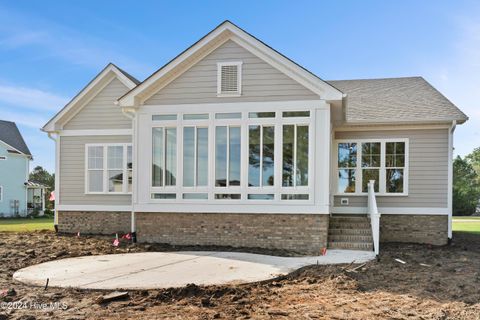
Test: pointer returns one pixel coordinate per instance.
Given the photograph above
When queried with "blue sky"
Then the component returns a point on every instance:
(49, 50)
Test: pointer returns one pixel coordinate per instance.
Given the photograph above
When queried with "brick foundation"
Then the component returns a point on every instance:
(93, 222)
(432, 229)
(303, 233)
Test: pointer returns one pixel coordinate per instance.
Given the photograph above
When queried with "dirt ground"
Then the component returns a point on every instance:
(448, 287)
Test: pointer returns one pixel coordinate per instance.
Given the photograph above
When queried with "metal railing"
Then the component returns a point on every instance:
(374, 216)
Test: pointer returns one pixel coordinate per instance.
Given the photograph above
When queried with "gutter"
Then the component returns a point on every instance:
(450, 178)
(130, 113)
(55, 213)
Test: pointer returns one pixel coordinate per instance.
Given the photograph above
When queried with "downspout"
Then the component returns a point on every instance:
(450, 178)
(57, 172)
(130, 113)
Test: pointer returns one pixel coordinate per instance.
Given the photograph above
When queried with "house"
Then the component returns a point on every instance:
(231, 143)
(18, 196)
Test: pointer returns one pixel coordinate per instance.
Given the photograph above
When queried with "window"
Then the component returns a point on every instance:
(164, 167)
(395, 166)
(370, 164)
(229, 79)
(227, 156)
(261, 155)
(360, 161)
(95, 169)
(254, 156)
(195, 157)
(295, 155)
(109, 168)
(347, 162)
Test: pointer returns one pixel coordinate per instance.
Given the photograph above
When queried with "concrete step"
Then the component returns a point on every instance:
(350, 218)
(349, 225)
(350, 238)
(348, 231)
(350, 246)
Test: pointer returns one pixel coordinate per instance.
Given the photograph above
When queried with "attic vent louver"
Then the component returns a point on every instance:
(229, 78)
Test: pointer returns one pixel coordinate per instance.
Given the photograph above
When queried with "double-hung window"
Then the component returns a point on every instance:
(382, 160)
(109, 168)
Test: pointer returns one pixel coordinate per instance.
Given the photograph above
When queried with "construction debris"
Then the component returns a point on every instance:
(356, 268)
(401, 261)
(111, 297)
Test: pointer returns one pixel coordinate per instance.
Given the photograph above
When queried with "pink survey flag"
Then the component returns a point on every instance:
(116, 242)
(52, 196)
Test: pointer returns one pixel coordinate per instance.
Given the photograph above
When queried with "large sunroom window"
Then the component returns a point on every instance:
(359, 161)
(248, 156)
(164, 166)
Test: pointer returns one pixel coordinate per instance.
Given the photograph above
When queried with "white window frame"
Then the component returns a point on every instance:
(238, 64)
(383, 168)
(244, 122)
(105, 169)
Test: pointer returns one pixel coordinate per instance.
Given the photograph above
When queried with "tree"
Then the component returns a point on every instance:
(42, 176)
(466, 188)
(474, 159)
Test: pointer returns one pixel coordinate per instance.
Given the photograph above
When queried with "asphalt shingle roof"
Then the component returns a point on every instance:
(10, 134)
(396, 100)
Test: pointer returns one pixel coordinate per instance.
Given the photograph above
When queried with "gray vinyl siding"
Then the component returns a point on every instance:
(428, 169)
(101, 112)
(72, 172)
(260, 81)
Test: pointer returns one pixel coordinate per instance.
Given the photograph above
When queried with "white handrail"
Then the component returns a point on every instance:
(374, 216)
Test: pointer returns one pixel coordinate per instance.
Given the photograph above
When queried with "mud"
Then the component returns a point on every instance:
(446, 286)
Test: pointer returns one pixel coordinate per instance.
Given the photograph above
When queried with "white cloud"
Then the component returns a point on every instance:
(31, 98)
(60, 42)
(29, 119)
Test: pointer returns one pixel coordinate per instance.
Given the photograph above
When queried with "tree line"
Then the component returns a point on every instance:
(466, 184)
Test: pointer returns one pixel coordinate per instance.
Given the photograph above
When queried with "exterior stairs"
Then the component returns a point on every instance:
(351, 232)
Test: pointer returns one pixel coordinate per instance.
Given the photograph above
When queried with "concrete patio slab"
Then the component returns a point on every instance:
(154, 270)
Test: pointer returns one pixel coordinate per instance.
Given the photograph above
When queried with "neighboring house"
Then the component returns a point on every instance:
(231, 143)
(17, 194)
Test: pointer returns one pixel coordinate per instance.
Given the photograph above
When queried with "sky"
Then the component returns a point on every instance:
(49, 50)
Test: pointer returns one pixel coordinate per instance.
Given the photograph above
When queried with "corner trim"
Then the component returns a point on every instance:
(75, 207)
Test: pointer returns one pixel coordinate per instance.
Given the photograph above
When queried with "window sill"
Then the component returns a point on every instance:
(107, 193)
(366, 194)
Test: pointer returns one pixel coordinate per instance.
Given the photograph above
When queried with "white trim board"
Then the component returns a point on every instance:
(392, 126)
(96, 132)
(224, 207)
(390, 210)
(82, 207)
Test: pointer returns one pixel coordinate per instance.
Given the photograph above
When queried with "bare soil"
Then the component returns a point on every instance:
(448, 287)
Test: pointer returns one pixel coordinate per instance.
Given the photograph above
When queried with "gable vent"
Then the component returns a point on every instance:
(229, 78)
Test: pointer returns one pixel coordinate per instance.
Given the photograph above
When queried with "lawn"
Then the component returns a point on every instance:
(26, 224)
(465, 224)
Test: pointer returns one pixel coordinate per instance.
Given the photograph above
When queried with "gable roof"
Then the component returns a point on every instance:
(109, 72)
(396, 100)
(10, 135)
(222, 33)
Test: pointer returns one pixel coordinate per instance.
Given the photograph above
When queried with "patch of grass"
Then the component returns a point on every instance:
(466, 226)
(26, 224)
